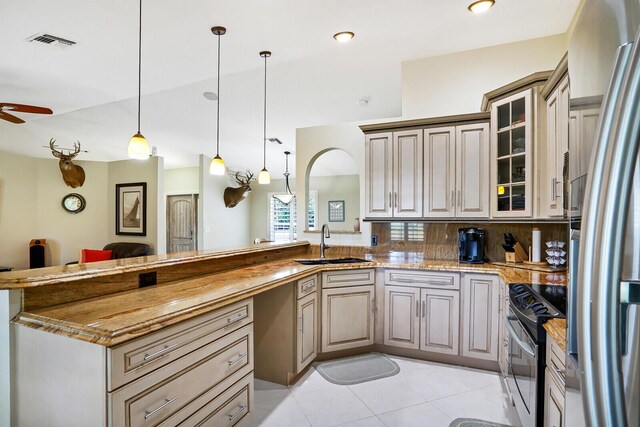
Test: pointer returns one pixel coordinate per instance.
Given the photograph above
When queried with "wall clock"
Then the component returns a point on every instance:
(73, 203)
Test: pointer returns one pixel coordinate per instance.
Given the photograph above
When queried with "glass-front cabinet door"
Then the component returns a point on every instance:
(511, 154)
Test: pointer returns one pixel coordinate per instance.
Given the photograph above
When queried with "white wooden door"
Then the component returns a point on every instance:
(347, 317)
(407, 174)
(480, 294)
(472, 171)
(307, 331)
(401, 316)
(439, 151)
(440, 321)
(552, 202)
(378, 175)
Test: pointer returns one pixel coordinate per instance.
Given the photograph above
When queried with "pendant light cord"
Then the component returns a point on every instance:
(264, 134)
(139, 62)
(218, 105)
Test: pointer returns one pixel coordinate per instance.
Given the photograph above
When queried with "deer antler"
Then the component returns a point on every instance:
(55, 152)
(76, 149)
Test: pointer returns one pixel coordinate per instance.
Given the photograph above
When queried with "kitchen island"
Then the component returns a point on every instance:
(102, 306)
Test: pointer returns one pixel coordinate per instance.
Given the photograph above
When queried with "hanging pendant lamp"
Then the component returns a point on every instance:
(138, 145)
(216, 167)
(264, 177)
(288, 196)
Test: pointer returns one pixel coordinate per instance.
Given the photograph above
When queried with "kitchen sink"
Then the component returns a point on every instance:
(323, 261)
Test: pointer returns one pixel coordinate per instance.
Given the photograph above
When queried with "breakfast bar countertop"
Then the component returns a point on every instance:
(115, 318)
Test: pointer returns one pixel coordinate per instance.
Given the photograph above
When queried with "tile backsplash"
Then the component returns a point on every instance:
(439, 241)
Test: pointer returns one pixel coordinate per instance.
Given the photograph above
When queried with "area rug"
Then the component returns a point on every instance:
(357, 369)
(472, 422)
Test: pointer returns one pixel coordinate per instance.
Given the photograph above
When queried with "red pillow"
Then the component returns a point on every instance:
(93, 255)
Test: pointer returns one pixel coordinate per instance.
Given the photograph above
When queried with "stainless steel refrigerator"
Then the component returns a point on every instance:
(603, 349)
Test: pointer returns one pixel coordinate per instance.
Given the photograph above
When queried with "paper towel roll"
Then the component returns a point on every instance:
(536, 244)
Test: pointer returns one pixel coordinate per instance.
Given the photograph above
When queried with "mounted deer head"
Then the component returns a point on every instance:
(233, 196)
(73, 175)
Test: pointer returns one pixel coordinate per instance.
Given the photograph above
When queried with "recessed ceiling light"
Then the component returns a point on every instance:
(481, 6)
(343, 36)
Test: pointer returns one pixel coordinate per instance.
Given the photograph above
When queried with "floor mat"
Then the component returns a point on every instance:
(472, 422)
(357, 369)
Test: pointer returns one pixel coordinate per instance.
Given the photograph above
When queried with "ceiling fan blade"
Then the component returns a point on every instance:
(10, 117)
(27, 108)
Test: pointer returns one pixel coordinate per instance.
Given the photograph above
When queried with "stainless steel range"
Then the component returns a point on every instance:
(530, 307)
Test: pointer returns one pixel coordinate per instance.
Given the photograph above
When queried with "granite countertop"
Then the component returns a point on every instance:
(116, 318)
(557, 329)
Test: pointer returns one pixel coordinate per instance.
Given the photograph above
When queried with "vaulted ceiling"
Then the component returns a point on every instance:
(313, 80)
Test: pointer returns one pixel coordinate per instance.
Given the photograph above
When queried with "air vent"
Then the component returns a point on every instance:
(275, 140)
(50, 40)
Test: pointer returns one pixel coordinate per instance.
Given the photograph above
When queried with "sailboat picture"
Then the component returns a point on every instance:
(131, 209)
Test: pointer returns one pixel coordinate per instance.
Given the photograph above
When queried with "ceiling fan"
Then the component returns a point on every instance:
(19, 108)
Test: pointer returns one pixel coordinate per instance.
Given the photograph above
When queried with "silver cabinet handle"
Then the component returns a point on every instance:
(553, 189)
(166, 348)
(238, 412)
(237, 359)
(166, 403)
(238, 317)
(396, 203)
(424, 309)
(506, 342)
(389, 198)
(307, 286)
(404, 280)
(453, 199)
(417, 308)
(459, 200)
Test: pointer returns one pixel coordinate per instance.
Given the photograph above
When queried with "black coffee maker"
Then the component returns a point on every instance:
(471, 245)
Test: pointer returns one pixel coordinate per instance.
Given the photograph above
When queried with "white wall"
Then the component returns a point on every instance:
(182, 181)
(149, 171)
(455, 83)
(31, 192)
(220, 227)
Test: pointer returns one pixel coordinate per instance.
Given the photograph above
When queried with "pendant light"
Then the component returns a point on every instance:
(288, 196)
(264, 177)
(138, 145)
(216, 167)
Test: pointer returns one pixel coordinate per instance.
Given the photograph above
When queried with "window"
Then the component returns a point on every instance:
(283, 225)
(407, 231)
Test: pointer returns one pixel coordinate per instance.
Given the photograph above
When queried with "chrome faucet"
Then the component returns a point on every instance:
(324, 234)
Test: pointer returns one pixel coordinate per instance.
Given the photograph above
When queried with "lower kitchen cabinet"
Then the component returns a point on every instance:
(503, 337)
(440, 322)
(402, 316)
(480, 316)
(347, 317)
(553, 401)
(307, 331)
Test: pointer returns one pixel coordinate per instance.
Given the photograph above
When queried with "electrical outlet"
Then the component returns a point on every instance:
(374, 240)
(147, 279)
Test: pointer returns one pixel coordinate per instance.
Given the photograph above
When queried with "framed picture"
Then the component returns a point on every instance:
(336, 210)
(131, 209)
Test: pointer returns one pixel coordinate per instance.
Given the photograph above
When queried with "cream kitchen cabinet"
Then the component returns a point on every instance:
(422, 310)
(456, 176)
(554, 385)
(393, 174)
(288, 315)
(347, 309)
(557, 146)
(583, 124)
(503, 337)
(480, 315)
(512, 156)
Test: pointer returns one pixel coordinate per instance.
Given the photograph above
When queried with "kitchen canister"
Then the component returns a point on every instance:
(536, 244)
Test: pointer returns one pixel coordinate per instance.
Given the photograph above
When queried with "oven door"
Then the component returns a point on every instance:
(523, 370)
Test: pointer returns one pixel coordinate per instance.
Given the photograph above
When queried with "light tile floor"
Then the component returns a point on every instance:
(423, 394)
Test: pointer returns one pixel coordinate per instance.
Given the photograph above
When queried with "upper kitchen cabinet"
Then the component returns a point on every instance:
(393, 174)
(552, 181)
(518, 132)
(456, 176)
(511, 156)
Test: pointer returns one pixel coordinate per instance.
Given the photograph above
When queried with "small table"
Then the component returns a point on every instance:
(5, 268)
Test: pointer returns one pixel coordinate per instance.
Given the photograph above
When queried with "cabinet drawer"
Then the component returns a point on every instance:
(340, 278)
(307, 286)
(178, 386)
(422, 279)
(134, 359)
(228, 409)
(555, 358)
